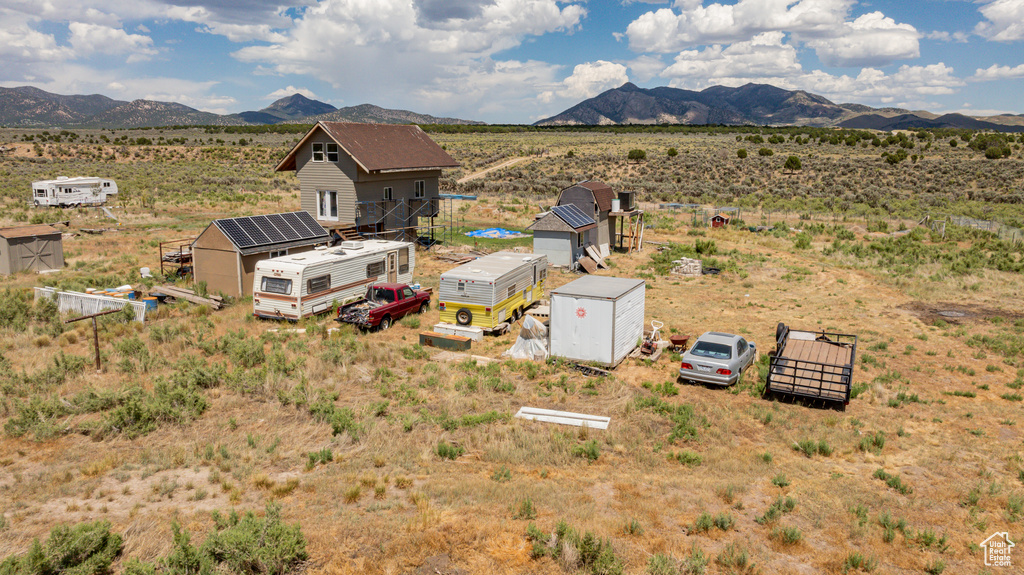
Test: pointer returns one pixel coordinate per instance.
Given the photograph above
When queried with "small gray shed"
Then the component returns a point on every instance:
(562, 234)
(37, 248)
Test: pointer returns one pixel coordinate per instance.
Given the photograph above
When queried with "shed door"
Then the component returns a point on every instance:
(392, 266)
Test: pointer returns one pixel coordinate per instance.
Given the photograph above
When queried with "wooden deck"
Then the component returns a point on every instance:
(815, 368)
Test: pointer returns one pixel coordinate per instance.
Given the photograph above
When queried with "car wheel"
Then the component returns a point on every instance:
(424, 307)
(384, 323)
(464, 317)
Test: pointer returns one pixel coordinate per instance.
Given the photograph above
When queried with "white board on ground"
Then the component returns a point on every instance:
(564, 417)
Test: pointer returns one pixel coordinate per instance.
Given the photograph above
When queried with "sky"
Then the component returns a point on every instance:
(515, 61)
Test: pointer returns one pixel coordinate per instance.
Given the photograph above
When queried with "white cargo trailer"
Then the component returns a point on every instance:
(308, 283)
(69, 192)
(597, 319)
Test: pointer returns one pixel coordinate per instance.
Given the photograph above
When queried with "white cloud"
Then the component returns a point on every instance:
(870, 40)
(997, 72)
(1004, 21)
(645, 67)
(363, 45)
(765, 56)
(943, 36)
(87, 39)
(592, 78)
(290, 90)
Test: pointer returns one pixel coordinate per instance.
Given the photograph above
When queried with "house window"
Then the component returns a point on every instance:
(403, 261)
(277, 254)
(420, 189)
(318, 152)
(375, 269)
(276, 285)
(318, 284)
(389, 194)
(332, 152)
(327, 204)
(579, 240)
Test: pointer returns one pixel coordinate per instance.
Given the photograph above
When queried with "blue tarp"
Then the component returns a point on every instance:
(495, 233)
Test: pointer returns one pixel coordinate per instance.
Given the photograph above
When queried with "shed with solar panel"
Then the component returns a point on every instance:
(226, 253)
(563, 234)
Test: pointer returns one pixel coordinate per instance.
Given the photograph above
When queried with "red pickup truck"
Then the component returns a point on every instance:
(384, 304)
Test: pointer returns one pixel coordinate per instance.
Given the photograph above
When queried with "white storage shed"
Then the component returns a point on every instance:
(597, 319)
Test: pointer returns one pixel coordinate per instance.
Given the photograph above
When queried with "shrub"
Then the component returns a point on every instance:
(84, 549)
(590, 450)
(788, 535)
(446, 450)
(687, 458)
(526, 510)
(855, 560)
(765, 152)
(893, 481)
(777, 509)
(741, 153)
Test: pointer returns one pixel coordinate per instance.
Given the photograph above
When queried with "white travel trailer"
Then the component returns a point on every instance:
(308, 283)
(487, 291)
(70, 192)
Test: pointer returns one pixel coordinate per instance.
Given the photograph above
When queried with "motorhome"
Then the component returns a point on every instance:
(309, 283)
(490, 290)
(72, 192)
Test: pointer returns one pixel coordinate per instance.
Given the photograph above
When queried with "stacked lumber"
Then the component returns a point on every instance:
(215, 302)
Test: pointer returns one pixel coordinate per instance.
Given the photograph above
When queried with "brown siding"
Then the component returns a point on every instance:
(6, 261)
(314, 176)
(31, 253)
(218, 268)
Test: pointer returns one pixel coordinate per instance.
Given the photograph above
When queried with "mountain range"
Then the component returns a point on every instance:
(755, 104)
(30, 107)
(752, 104)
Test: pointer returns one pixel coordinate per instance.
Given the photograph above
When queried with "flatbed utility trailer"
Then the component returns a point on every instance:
(815, 365)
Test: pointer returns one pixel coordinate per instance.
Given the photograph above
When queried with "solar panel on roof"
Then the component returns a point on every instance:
(315, 229)
(268, 228)
(572, 215)
(235, 233)
(300, 227)
(254, 232)
(282, 226)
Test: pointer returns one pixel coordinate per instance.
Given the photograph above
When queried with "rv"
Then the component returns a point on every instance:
(72, 192)
(487, 291)
(308, 283)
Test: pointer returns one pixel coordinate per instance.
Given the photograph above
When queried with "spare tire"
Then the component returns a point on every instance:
(779, 330)
(464, 317)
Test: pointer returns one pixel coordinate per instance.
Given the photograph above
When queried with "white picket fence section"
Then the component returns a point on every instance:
(87, 303)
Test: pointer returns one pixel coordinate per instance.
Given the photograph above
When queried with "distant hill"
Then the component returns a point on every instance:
(370, 114)
(914, 121)
(754, 104)
(31, 107)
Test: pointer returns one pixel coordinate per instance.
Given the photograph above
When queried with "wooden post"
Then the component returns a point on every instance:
(95, 330)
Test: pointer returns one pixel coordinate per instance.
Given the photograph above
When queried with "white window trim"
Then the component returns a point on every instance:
(320, 205)
(322, 152)
(389, 193)
(278, 253)
(420, 189)
(328, 153)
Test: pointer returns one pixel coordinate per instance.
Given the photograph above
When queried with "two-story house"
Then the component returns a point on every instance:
(382, 179)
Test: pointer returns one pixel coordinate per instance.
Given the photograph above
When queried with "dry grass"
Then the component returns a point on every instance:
(388, 504)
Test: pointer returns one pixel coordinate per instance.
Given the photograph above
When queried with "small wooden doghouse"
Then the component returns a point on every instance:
(719, 220)
(37, 248)
(225, 254)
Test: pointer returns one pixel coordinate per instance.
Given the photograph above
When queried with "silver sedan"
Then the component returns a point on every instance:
(717, 358)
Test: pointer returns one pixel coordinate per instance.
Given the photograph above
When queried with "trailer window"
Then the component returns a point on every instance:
(375, 269)
(403, 261)
(511, 291)
(318, 284)
(461, 287)
(276, 285)
(543, 272)
(712, 350)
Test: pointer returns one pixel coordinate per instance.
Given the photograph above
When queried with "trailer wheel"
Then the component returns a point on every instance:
(464, 317)
(779, 330)
(385, 323)
(35, 203)
(424, 307)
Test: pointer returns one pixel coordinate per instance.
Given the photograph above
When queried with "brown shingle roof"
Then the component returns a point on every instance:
(603, 194)
(28, 231)
(380, 147)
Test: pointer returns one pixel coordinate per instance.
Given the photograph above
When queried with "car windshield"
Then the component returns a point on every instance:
(711, 350)
(380, 294)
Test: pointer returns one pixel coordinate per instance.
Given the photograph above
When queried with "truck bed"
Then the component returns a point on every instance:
(815, 365)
